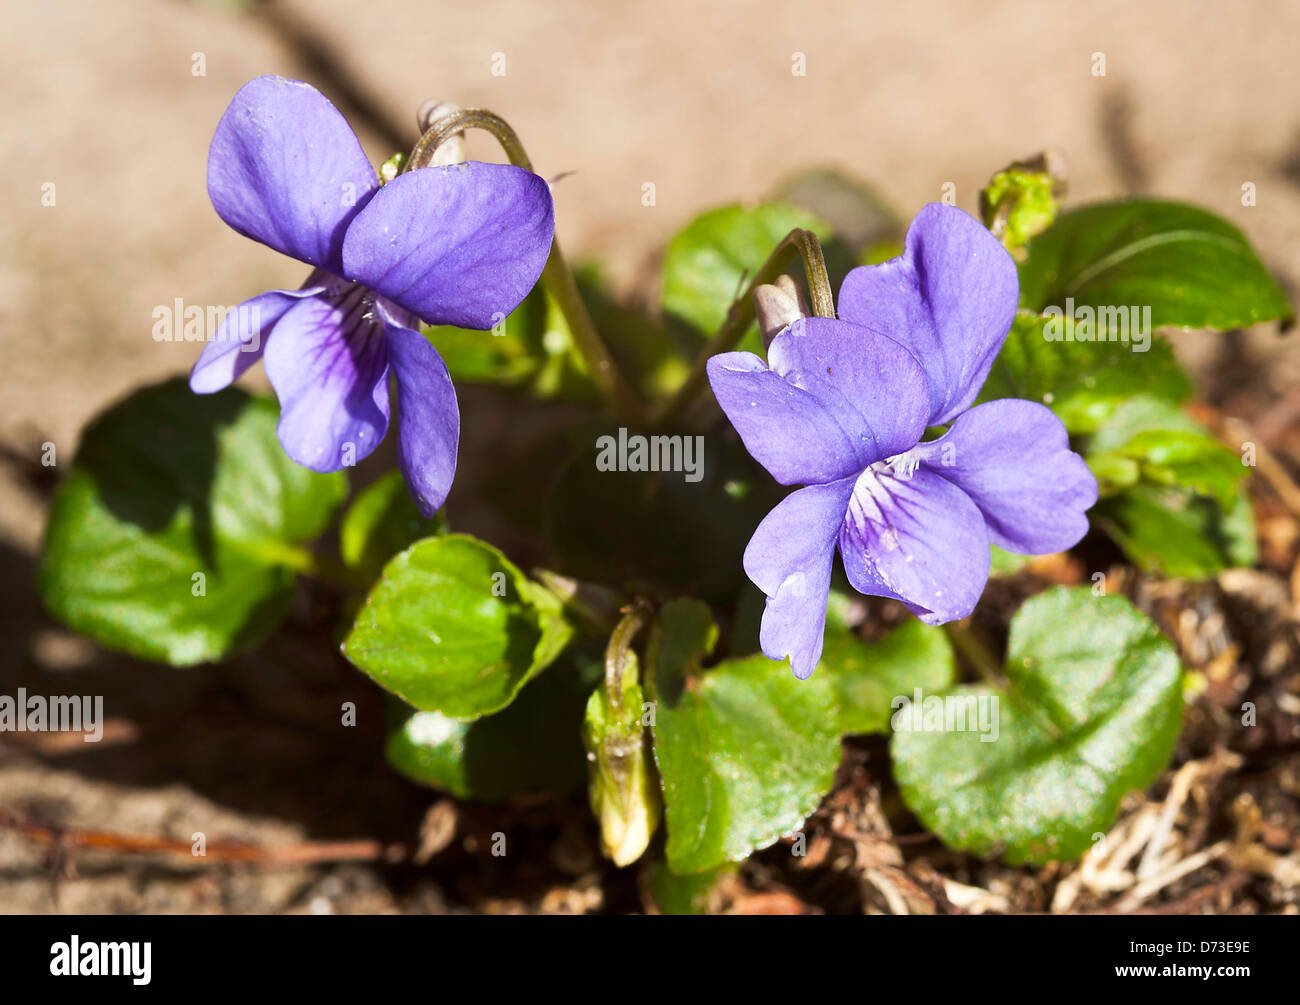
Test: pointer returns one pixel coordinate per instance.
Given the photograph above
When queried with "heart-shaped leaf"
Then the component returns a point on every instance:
(1090, 712)
(454, 627)
(1192, 268)
(177, 533)
(745, 751)
(869, 677)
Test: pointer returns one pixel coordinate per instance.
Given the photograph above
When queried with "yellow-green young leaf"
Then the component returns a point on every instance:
(868, 677)
(1172, 495)
(177, 533)
(1006, 563)
(1019, 201)
(1166, 447)
(1091, 711)
(1192, 268)
(454, 627)
(745, 751)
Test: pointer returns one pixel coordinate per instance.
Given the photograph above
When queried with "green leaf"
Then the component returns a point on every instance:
(1082, 382)
(745, 751)
(511, 355)
(454, 627)
(383, 520)
(177, 533)
(1114, 473)
(869, 676)
(706, 265)
(653, 350)
(1091, 711)
(1140, 414)
(1191, 460)
(1192, 268)
(1174, 532)
(531, 747)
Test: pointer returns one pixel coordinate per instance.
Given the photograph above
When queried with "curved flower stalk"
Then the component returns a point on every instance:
(841, 406)
(460, 245)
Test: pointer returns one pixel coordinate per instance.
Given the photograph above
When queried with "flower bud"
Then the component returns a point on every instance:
(1019, 201)
(778, 305)
(623, 789)
(452, 150)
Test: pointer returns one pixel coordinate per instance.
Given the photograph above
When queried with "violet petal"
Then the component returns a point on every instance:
(459, 245)
(834, 399)
(919, 539)
(428, 419)
(1013, 459)
(950, 298)
(285, 169)
(328, 363)
(241, 339)
(789, 559)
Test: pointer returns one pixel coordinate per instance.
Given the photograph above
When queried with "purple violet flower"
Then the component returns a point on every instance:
(459, 245)
(840, 406)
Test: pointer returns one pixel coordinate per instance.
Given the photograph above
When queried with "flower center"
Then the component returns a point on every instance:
(359, 308)
(874, 496)
(901, 465)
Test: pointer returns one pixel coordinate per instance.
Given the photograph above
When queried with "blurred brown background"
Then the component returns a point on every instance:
(697, 97)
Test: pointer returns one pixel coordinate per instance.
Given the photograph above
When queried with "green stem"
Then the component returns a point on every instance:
(741, 314)
(616, 653)
(974, 651)
(556, 276)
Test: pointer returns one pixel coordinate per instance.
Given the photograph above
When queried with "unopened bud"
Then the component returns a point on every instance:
(391, 168)
(623, 789)
(451, 150)
(1019, 201)
(777, 306)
